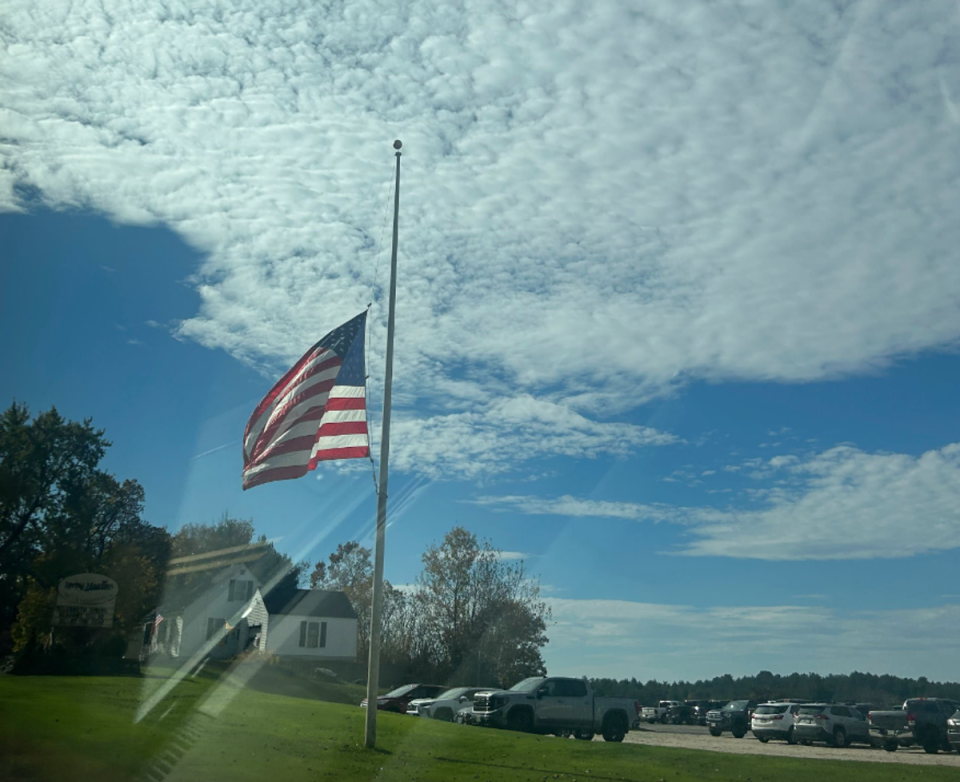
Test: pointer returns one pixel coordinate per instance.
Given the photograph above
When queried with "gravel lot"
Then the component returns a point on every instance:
(695, 737)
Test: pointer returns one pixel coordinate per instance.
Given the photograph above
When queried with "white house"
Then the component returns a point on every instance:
(221, 609)
(218, 609)
(312, 623)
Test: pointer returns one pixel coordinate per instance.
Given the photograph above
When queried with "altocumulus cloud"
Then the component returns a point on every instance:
(843, 503)
(600, 201)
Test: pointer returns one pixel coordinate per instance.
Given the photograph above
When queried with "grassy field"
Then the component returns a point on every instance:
(226, 726)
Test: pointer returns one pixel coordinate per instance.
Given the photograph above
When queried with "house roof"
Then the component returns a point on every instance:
(310, 602)
(178, 593)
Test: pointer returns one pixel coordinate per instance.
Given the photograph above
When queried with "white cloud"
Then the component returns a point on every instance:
(495, 437)
(598, 204)
(846, 504)
(843, 503)
(622, 638)
(573, 506)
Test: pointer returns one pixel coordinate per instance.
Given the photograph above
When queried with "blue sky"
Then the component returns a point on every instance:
(677, 313)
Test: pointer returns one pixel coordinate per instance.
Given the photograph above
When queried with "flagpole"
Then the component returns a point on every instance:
(373, 666)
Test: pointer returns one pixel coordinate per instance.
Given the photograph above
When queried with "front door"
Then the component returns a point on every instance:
(551, 704)
(579, 704)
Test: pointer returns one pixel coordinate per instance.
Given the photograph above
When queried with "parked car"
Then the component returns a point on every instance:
(398, 700)
(774, 721)
(657, 713)
(920, 721)
(699, 710)
(864, 708)
(681, 714)
(953, 730)
(555, 705)
(446, 705)
(834, 723)
(735, 717)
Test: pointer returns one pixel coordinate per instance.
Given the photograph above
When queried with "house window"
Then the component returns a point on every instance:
(240, 590)
(162, 633)
(215, 625)
(313, 635)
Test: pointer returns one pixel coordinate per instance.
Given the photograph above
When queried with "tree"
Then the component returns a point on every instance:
(485, 619)
(349, 570)
(192, 539)
(47, 466)
(61, 514)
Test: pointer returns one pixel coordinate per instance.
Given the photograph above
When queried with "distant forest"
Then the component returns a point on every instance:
(856, 687)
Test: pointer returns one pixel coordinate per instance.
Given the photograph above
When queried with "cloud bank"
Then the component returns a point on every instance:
(599, 203)
(843, 503)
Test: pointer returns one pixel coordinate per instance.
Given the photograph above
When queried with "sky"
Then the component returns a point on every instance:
(678, 295)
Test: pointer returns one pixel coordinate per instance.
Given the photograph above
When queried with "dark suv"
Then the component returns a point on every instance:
(699, 709)
(399, 699)
(735, 717)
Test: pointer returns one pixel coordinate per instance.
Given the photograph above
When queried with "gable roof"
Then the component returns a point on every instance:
(310, 602)
(179, 594)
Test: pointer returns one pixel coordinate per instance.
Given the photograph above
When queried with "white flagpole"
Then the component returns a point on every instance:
(373, 665)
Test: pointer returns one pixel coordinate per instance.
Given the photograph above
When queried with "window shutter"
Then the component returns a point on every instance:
(323, 634)
(249, 590)
(303, 634)
(233, 589)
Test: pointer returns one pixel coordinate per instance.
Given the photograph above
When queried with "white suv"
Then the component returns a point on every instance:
(774, 721)
(834, 723)
(447, 705)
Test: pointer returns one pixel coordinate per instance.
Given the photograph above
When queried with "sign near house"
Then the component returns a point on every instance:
(86, 600)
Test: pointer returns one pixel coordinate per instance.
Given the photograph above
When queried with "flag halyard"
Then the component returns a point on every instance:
(316, 412)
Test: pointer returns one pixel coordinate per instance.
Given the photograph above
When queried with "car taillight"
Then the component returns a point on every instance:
(911, 718)
(822, 717)
(637, 706)
(778, 717)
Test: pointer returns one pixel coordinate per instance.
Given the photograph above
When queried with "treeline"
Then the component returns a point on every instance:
(880, 690)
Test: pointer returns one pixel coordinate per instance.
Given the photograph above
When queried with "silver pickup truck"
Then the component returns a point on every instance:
(659, 712)
(555, 705)
(920, 721)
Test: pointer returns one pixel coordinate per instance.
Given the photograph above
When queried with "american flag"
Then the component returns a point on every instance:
(316, 412)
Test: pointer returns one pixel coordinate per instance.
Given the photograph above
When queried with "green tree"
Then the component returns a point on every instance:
(61, 514)
(47, 469)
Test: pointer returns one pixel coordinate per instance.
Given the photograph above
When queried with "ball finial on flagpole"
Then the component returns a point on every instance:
(397, 144)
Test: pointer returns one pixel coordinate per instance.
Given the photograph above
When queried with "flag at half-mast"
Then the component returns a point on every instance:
(316, 412)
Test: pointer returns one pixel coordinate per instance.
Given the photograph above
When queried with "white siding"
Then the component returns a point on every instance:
(215, 604)
(284, 637)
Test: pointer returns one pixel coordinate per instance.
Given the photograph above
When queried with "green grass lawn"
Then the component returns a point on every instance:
(220, 726)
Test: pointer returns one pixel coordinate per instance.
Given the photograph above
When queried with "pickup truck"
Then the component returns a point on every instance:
(920, 721)
(555, 705)
(659, 712)
(735, 717)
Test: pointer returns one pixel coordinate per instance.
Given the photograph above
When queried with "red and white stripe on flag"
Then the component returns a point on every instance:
(316, 412)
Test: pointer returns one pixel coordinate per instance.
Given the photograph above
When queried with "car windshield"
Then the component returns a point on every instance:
(778, 709)
(400, 691)
(650, 316)
(528, 685)
(811, 710)
(452, 694)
